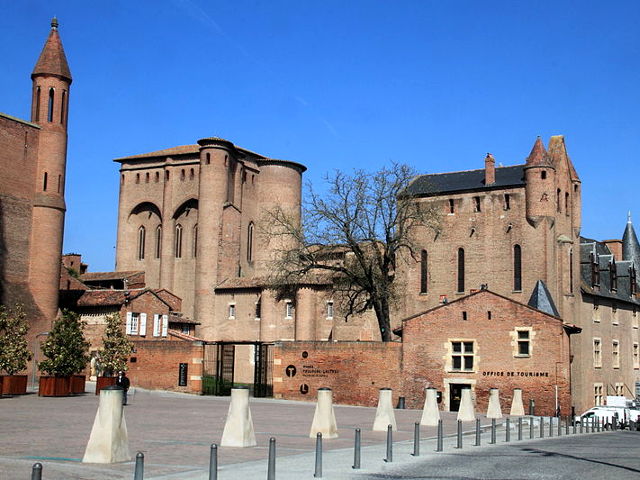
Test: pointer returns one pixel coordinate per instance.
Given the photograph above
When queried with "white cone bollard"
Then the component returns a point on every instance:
(384, 413)
(109, 442)
(494, 410)
(466, 412)
(517, 407)
(324, 420)
(238, 429)
(430, 412)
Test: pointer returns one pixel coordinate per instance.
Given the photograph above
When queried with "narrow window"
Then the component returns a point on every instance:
(141, 238)
(517, 268)
(59, 183)
(194, 252)
(44, 181)
(288, 310)
(122, 179)
(460, 270)
(476, 204)
(524, 346)
(597, 394)
(135, 323)
(166, 175)
(191, 174)
(178, 242)
(507, 201)
(489, 314)
(543, 175)
(208, 160)
(37, 116)
(62, 105)
(50, 107)
(558, 196)
(157, 179)
(567, 210)
(250, 242)
(146, 178)
(613, 273)
(636, 356)
(423, 271)
(258, 309)
(232, 311)
(329, 309)
(231, 182)
(597, 353)
(615, 351)
(464, 315)
(452, 206)
(182, 174)
(158, 249)
(137, 178)
(571, 271)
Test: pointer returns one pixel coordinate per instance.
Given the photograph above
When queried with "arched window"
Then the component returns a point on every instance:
(178, 241)
(62, 110)
(37, 115)
(146, 178)
(50, 107)
(141, 239)
(250, 242)
(460, 270)
(137, 178)
(423, 271)
(158, 249)
(517, 268)
(194, 251)
(182, 174)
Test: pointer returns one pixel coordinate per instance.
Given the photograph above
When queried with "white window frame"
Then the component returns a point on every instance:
(288, 309)
(157, 324)
(143, 325)
(597, 353)
(330, 311)
(232, 311)
(165, 325)
(598, 397)
(615, 353)
(134, 322)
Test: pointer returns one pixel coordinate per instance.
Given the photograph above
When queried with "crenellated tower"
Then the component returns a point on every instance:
(51, 82)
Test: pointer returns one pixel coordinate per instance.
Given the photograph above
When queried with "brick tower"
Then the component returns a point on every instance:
(49, 110)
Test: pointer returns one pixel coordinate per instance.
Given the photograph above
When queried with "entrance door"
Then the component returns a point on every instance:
(455, 394)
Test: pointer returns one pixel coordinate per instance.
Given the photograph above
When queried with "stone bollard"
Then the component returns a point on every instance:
(109, 442)
(430, 412)
(384, 413)
(324, 420)
(494, 410)
(517, 407)
(238, 429)
(466, 412)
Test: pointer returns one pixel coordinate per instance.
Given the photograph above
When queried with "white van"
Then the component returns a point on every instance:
(608, 414)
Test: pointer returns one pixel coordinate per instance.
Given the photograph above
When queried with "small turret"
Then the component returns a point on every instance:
(539, 176)
(630, 245)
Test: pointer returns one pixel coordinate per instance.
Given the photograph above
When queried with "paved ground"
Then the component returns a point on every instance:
(175, 431)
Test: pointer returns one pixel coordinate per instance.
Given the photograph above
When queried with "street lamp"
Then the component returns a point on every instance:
(36, 348)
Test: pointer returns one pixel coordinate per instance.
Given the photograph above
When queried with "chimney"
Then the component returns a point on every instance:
(489, 170)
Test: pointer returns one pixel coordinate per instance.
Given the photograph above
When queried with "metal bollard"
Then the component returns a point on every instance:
(581, 425)
(559, 426)
(575, 425)
(271, 469)
(541, 427)
(459, 435)
(356, 451)
(531, 427)
(507, 430)
(213, 462)
(36, 471)
(318, 471)
(139, 471)
(586, 425)
(550, 427)
(416, 439)
(477, 444)
(401, 403)
(439, 439)
(520, 428)
(493, 431)
(566, 427)
(389, 458)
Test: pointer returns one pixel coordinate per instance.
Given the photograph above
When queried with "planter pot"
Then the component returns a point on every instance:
(102, 382)
(54, 386)
(77, 383)
(13, 385)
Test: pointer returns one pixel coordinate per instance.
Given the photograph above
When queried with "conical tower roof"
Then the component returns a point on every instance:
(52, 60)
(541, 299)
(630, 245)
(538, 155)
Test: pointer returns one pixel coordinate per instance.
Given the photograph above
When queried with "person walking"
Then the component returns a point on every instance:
(123, 381)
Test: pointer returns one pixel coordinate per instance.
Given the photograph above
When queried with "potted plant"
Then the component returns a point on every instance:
(14, 353)
(66, 352)
(116, 348)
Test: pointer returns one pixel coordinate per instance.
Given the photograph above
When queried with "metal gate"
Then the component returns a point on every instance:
(219, 363)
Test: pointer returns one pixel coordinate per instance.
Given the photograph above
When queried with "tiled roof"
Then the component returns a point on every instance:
(52, 60)
(98, 276)
(469, 180)
(167, 152)
(97, 298)
(184, 336)
(263, 282)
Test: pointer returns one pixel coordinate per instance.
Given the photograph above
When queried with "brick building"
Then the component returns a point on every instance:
(32, 206)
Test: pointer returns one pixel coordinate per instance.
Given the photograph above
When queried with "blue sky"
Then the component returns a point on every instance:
(337, 84)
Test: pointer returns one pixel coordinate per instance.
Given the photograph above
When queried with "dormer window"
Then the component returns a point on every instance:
(614, 276)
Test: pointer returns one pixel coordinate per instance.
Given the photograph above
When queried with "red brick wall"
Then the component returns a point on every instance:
(428, 336)
(355, 371)
(156, 365)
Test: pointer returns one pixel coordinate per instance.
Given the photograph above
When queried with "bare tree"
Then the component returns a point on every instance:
(354, 234)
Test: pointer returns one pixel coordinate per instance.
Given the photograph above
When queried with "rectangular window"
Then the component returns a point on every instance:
(636, 355)
(597, 353)
(258, 309)
(507, 201)
(232, 311)
(135, 323)
(288, 310)
(619, 389)
(634, 318)
(523, 343)
(157, 324)
(597, 394)
(596, 311)
(476, 204)
(614, 314)
(615, 352)
(462, 356)
(329, 310)
(452, 206)
(186, 329)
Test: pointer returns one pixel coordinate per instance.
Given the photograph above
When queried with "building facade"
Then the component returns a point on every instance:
(32, 207)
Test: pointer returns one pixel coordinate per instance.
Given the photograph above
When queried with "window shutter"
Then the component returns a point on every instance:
(156, 325)
(129, 315)
(143, 324)
(165, 324)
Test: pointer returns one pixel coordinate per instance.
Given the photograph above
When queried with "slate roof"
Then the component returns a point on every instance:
(52, 60)
(542, 300)
(465, 181)
(630, 245)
